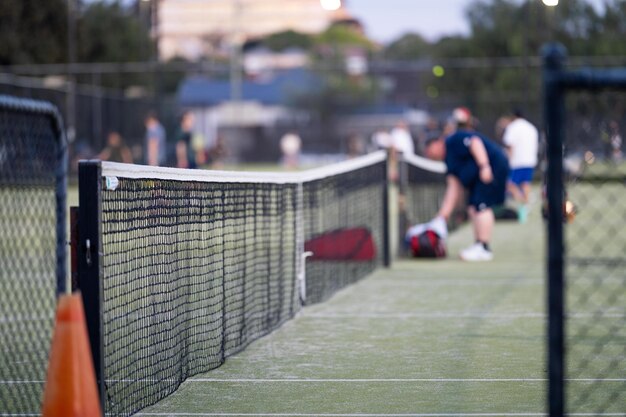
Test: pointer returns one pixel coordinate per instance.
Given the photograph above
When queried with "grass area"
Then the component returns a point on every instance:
(430, 337)
(596, 295)
(27, 294)
(422, 337)
(605, 170)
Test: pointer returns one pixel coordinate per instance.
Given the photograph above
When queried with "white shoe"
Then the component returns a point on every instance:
(476, 253)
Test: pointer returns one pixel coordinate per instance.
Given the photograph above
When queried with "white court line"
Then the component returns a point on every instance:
(341, 380)
(394, 380)
(20, 415)
(424, 315)
(371, 415)
(166, 414)
(455, 315)
(382, 315)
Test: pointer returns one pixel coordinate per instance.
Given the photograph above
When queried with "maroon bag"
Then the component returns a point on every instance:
(355, 244)
(428, 244)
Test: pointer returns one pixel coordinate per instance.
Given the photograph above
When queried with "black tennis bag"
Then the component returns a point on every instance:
(428, 244)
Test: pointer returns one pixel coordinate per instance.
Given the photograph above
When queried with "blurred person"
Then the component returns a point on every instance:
(185, 152)
(290, 145)
(501, 125)
(217, 153)
(479, 166)
(356, 146)
(198, 143)
(155, 152)
(81, 149)
(381, 139)
(116, 150)
(616, 142)
(432, 130)
(401, 139)
(521, 139)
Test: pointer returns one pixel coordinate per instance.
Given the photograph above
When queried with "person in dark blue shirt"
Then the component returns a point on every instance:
(479, 166)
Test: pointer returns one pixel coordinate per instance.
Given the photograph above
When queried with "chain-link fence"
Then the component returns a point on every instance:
(96, 112)
(334, 113)
(586, 113)
(32, 246)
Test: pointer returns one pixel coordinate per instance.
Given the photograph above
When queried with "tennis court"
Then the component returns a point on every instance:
(422, 338)
(439, 338)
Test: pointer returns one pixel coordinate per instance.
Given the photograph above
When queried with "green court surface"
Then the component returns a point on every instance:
(421, 338)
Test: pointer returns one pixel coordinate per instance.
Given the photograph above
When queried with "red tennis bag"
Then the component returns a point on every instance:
(353, 244)
(427, 244)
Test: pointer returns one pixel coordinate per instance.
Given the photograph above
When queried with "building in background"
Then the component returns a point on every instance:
(193, 29)
(250, 128)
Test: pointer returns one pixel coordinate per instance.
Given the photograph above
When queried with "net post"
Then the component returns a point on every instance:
(386, 219)
(554, 58)
(89, 265)
(300, 254)
(74, 241)
(403, 196)
(61, 203)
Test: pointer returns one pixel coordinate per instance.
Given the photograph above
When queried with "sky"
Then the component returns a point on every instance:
(386, 20)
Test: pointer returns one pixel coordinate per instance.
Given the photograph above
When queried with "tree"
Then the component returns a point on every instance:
(342, 36)
(409, 46)
(340, 90)
(109, 33)
(332, 50)
(288, 39)
(33, 32)
(610, 41)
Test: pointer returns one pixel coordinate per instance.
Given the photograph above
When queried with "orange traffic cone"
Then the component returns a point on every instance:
(71, 389)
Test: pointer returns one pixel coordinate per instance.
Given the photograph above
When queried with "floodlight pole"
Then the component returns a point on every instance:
(235, 54)
(70, 101)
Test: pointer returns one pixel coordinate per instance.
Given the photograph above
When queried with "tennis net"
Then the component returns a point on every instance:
(181, 268)
(422, 184)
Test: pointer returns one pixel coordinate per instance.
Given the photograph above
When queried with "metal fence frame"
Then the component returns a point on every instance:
(557, 83)
(45, 108)
(38, 110)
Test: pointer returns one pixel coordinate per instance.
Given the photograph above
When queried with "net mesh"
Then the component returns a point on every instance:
(29, 148)
(193, 271)
(344, 210)
(422, 185)
(595, 172)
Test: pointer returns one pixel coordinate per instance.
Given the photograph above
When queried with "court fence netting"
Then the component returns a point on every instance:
(32, 246)
(586, 210)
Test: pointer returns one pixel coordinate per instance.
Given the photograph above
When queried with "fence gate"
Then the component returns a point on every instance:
(585, 113)
(32, 246)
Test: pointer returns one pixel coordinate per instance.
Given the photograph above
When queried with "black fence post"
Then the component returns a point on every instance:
(61, 203)
(89, 265)
(386, 220)
(554, 57)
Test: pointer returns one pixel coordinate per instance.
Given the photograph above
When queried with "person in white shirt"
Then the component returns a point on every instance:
(401, 139)
(290, 146)
(522, 141)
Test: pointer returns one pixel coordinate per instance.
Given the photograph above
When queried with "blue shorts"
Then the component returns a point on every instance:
(521, 175)
(482, 196)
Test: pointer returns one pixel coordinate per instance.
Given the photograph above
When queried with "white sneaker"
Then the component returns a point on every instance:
(476, 253)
